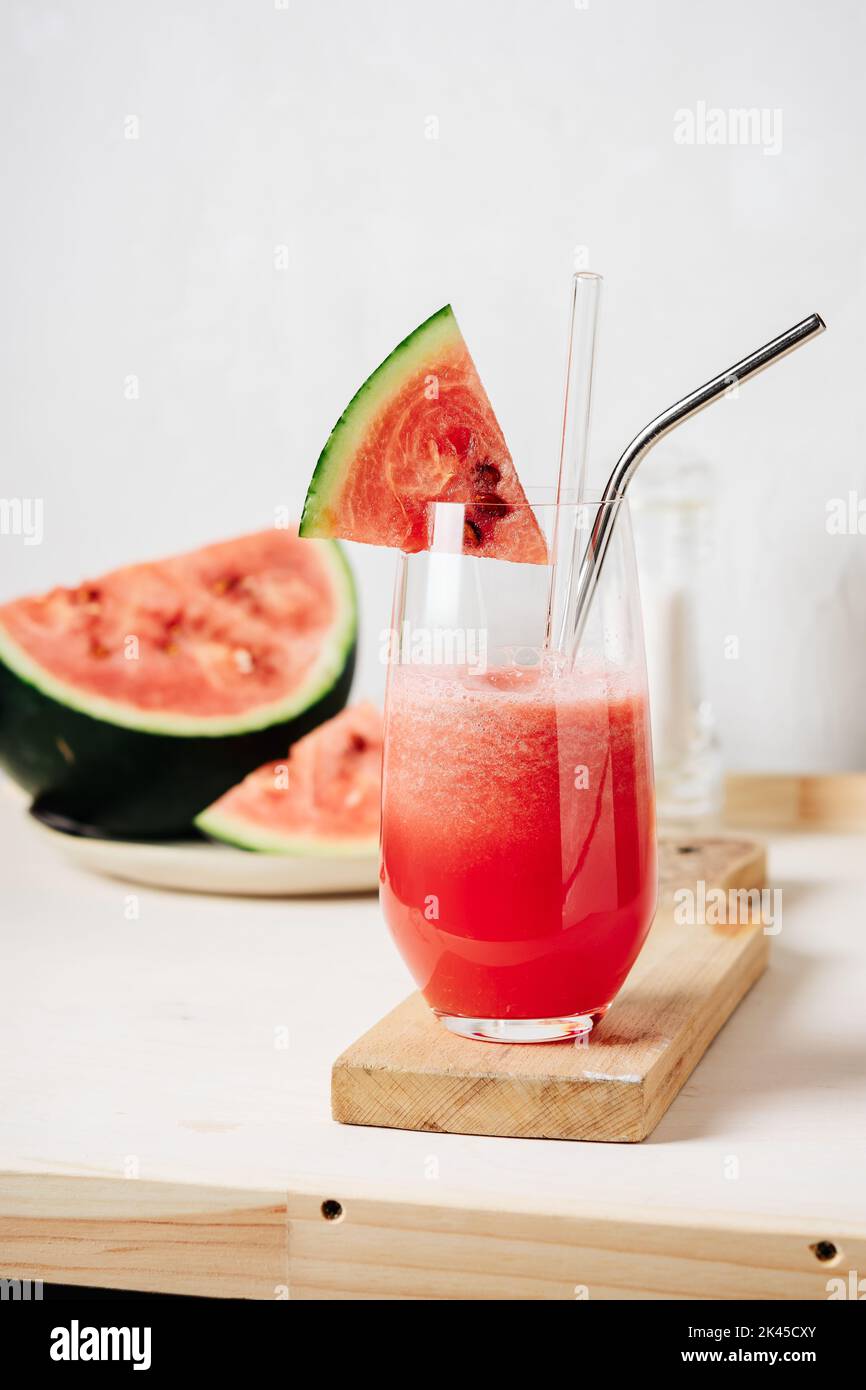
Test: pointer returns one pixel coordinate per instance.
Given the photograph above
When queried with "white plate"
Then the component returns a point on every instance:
(205, 868)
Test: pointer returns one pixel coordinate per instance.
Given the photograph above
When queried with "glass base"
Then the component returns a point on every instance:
(519, 1030)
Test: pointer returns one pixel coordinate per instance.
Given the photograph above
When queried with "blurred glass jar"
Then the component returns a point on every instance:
(672, 509)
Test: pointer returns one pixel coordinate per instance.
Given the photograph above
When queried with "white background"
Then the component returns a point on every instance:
(307, 127)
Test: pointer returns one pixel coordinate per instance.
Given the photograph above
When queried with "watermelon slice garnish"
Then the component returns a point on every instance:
(421, 429)
(323, 799)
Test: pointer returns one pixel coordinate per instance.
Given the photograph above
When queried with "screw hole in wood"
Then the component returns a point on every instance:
(332, 1210)
(825, 1251)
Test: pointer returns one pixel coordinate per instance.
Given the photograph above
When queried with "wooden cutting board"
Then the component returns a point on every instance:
(408, 1072)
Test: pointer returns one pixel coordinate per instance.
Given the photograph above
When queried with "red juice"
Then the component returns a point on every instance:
(518, 872)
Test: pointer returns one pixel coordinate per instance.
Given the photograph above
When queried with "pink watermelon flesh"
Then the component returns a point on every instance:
(325, 793)
(422, 429)
(212, 634)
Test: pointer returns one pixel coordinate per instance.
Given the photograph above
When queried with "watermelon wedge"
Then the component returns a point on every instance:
(130, 702)
(323, 799)
(421, 429)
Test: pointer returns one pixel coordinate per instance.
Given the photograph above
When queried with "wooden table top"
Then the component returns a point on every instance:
(167, 1059)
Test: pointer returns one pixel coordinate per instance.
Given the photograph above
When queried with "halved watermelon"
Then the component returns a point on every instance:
(421, 429)
(128, 703)
(322, 799)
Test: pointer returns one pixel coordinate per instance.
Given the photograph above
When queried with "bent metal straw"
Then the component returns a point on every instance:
(640, 446)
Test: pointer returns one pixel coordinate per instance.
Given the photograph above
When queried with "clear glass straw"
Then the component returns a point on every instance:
(574, 453)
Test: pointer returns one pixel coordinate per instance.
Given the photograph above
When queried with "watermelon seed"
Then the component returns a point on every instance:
(493, 504)
(65, 751)
(487, 473)
(226, 583)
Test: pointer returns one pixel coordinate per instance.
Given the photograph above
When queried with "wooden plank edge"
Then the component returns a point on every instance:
(152, 1237)
(345, 1246)
(437, 1093)
(834, 801)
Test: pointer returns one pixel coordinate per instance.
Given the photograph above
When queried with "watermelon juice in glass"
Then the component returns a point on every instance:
(518, 867)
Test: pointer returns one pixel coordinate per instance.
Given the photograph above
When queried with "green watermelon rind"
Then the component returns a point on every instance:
(336, 647)
(233, 830)
(413, 354)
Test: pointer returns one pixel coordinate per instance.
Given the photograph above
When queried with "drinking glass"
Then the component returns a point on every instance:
(518, 859)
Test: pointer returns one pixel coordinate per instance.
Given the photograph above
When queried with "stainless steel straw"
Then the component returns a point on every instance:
(628, 462)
